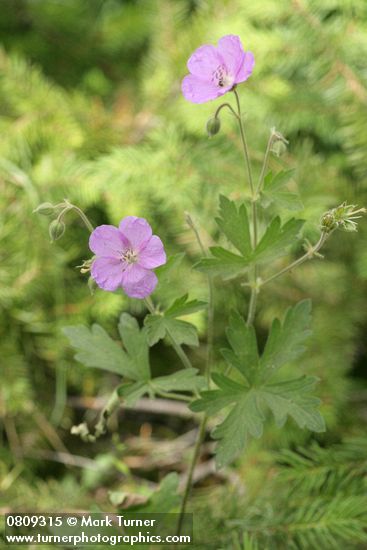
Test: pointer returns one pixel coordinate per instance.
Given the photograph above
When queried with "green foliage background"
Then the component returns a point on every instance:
(91, 110)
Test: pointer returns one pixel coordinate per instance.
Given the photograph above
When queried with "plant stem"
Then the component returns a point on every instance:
(190, 474)
(225, 105)
(70, 206)
(253, 301)
(309, 254)
(244, 143)
(86, 221)
(254, 291)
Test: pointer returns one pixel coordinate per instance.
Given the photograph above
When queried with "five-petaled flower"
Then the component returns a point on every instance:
(125, 257)
(216, 70)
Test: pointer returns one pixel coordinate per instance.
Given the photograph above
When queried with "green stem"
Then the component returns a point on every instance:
(228, 106)
(70, 206)
(253, 301)
(190, 474)
(254, 291)
(244, 143)
(309, 254)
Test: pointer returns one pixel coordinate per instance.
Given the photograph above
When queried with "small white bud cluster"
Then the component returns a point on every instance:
(342, 217)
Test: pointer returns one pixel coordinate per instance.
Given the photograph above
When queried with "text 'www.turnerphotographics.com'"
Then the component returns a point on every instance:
(106, 529)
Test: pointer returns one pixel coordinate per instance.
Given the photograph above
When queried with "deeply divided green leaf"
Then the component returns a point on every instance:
(95, 348)
(275, 191)
(234, 224)
(251, 397)
(136, 345)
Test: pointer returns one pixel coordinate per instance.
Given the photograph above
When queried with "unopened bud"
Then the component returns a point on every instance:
(328, 222)
(213, 126)
(343, 217)
(279, 143)
(279, 148)
(56, 229)
(45, 209)
(188, 219)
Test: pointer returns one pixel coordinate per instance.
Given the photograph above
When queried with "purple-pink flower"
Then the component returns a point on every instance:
(125, 257)
(216, 70)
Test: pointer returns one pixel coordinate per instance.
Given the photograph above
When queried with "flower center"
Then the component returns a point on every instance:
(130, 256)
(221, 77)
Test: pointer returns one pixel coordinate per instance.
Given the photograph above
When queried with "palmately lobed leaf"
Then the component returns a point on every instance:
(250, 398)
(222, 262)
(182, 380)
(94, 348)
(285, 340)
(132, 391)
(166, 499)
(183, 306)
(159, 326)
(136, 344)
(275, 191)
(242, 338)
(276, 239)
(234, 224)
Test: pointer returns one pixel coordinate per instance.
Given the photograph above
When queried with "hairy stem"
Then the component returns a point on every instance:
(254, 291)
(309, 254)
(244, 142)
(253, 301)
(70, 206)
(222, 107)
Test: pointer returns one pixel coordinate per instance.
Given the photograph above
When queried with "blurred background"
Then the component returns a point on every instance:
(91, 110)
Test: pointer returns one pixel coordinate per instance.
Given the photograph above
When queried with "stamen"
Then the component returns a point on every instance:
(129, 256)
(220, 77)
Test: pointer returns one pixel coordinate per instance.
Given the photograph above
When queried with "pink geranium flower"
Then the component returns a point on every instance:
(125, 257)
(216, 70)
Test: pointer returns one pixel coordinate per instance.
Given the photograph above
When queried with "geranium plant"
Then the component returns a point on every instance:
(125, 259)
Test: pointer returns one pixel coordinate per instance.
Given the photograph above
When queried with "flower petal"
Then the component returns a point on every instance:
(153, 254)
(199, 91)
(231, 50)
(108, 272)
(138, 282)
(246, 68)
(204, 61)
(106, 240)
(136, 230)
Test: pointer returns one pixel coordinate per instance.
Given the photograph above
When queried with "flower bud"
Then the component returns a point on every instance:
(328, 222)
(279, 148)
(45, 209)
(56, 229)
(213, 126)
(343, 217)
(279, 143)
